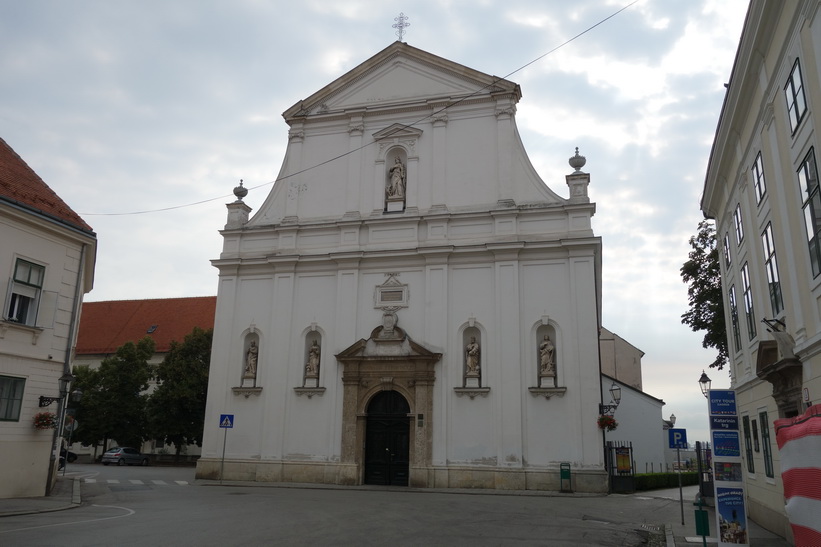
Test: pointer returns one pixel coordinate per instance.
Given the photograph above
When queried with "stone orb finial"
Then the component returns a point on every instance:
(577, 161)
(240, 191)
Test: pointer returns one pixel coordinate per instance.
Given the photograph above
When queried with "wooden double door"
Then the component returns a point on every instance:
(387, 440)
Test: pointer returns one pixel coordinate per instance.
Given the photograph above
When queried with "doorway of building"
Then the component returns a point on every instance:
(387, 434)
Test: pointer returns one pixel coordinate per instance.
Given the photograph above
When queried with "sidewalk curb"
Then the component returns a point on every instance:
(76, 501)
(668, 532)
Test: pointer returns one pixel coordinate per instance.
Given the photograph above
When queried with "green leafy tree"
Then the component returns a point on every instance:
(114, 400)
(703, 276)
(177, 407)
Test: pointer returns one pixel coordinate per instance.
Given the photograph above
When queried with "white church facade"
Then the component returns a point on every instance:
(412, 304)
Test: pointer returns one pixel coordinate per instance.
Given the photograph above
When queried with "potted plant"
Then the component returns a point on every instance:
(45, 420)
(607, 422)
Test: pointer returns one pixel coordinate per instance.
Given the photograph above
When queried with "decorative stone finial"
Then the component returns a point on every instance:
(241, 191)
(577, 161)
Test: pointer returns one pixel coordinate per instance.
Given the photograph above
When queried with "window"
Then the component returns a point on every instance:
(748, 300)
(734, 319)
(771, 265)
(24, 292)
(748, 444)
(811, 203)
(727, 258)
(756, 446)
(11, 397)
(758, 179)
(794, 93)
(739, 229)
(765, 444)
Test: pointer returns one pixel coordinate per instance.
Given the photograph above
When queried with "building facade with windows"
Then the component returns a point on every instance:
(762, 189)
(47, 263)
(422, 310)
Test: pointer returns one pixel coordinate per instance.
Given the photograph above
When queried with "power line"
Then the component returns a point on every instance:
(420, 120)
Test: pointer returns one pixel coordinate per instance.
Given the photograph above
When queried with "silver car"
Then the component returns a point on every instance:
(124, 455)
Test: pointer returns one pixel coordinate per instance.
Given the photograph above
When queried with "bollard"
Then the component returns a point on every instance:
(702, 522)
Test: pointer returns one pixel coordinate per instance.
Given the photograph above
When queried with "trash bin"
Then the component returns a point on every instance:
(566, 483)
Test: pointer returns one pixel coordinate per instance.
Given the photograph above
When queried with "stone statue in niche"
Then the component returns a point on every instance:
(312, 367)
(251, 357)
(472, 357)
(396, 184)
(546, 356)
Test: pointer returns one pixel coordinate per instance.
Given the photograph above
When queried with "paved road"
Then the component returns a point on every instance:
(162, 506)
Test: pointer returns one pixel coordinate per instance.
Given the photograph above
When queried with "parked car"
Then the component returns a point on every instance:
(124, 455)
(66, 455)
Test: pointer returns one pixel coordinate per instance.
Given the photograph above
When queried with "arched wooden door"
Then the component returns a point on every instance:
(387, 440)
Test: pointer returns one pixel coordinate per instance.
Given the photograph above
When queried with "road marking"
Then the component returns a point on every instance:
(113, 481)
(128, 513)
(159, 482)
(182, 483)
(91, 481)
(133, 481)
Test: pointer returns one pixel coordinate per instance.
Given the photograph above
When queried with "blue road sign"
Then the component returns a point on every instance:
(677, 437)
(722, 402)
(226, 421)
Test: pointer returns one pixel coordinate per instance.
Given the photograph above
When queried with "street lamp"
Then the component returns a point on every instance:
(672, 419)
(615, 395)
(704, 382)
(65, 380)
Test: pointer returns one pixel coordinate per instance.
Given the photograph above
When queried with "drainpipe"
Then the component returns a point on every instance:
(72, 327)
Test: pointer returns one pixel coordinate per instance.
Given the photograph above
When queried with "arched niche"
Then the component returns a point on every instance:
(473, 360)
(251, 352)
(396, 179)
(312, 358)
(546, 355)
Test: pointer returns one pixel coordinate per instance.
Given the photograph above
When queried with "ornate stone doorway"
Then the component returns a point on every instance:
(387, 440)
(387, 403)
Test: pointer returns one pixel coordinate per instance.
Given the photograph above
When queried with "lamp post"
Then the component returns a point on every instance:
(64, 382)
(75, 397)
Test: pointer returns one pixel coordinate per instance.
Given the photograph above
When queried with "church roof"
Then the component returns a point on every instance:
(105, 326)
(346, 92)
(21, 186)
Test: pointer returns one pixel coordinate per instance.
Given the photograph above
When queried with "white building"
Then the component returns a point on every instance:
(762, 189)
(47, 261)
(393, 276)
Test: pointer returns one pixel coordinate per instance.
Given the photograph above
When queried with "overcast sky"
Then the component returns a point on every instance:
(133, 106)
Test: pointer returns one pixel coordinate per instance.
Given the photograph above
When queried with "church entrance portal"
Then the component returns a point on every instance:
(387, 440)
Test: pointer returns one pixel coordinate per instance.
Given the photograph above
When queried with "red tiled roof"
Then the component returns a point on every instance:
(105, 326)
(19, 184)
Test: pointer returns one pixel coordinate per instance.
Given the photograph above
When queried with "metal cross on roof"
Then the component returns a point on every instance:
(401, 25)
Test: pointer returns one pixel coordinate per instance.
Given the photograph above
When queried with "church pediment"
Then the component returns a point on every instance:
(387, 345)
(399, 74)
(398, 131)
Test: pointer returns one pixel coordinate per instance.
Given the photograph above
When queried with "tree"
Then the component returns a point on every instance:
(703, 275)
(177, 407)
(113, 403)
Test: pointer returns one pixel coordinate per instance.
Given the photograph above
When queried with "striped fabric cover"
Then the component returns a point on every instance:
(799, 442)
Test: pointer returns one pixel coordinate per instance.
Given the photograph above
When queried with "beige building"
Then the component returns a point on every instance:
(47, 262)
(762, 190)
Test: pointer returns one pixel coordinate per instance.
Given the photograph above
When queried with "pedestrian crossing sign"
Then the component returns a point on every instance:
(226, 421)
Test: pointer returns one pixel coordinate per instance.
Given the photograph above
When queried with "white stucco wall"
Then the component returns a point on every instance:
(482, 242)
